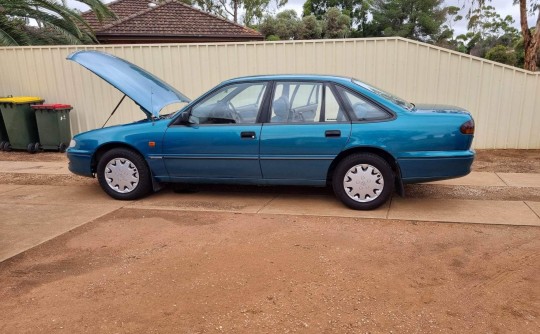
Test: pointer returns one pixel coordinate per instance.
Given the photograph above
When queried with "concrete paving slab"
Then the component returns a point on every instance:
(318, 205)
(24, 226)
(8, 187)
(463, 211)
(206, 201)
(34, 167)
(521, 179)
(485, 179)
(91, 194)
(535, 206)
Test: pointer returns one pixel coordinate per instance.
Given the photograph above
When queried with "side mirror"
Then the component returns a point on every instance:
(184, 117)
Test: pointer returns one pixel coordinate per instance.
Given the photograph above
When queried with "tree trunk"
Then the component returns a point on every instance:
(530, 41)
(235, 11)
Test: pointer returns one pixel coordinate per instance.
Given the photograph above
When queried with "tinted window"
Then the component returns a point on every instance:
(237, 103)
(363, 109)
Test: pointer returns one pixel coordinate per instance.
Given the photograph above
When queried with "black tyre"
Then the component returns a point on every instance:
(62, 148)
(7, 147)
(37, 147)
(31, 148)
(123, 174)
(2, 145)
(363, 181)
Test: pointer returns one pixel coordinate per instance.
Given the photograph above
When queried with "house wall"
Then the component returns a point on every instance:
(505, 101)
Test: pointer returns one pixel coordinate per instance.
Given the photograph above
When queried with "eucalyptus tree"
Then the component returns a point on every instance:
(254, 10)
(530, 35)
(422, 20)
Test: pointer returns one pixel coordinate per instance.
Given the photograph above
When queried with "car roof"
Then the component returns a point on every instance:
(289, 77)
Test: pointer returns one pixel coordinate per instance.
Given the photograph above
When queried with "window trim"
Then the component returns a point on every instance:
(260, 112)
(324, 83)
(392, 115)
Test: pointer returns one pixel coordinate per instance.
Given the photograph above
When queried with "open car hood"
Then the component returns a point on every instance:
(144, 88)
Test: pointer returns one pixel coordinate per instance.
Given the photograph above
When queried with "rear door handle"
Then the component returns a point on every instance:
(332, 133)
(247, 134)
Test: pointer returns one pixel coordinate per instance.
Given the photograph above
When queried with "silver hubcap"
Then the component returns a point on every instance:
(363, 183)
(121, 175)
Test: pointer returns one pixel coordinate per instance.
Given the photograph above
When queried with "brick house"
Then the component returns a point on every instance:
(170, 21)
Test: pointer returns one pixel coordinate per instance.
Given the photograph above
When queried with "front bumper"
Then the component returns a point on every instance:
(80, 163)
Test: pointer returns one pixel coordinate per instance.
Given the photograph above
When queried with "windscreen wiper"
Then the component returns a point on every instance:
(115, 108)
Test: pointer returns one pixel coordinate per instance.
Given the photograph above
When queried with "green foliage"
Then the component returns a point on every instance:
(311, 28)
(487, 29)
(254, 10)
(357, 10)
(488, 23)
(287, 25)
(527, 50)
(421, 20)
(502, 54)
(272, 38)
(336, 24)
(56, 23)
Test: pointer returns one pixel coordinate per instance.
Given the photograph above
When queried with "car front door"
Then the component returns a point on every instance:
(307, 129)
(223, 143)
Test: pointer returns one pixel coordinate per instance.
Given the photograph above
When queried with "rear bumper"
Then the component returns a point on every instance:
(433, 166)
(80, 164)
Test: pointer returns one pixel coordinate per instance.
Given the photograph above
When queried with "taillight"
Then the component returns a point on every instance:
(467, 128)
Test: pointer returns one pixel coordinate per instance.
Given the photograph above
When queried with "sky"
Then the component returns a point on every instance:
(503, 7)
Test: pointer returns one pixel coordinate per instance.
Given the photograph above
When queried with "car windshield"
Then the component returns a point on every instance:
(172, 109)
(397, 100)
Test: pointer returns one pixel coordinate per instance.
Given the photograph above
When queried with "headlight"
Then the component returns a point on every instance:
(72, 143)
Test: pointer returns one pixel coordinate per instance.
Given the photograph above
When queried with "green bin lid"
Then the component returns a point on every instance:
(21, 99)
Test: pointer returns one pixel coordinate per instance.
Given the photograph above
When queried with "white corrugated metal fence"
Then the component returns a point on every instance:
(504, 100)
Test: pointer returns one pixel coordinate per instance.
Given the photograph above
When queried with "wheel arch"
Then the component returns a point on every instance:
(389, 158)
(98, 153)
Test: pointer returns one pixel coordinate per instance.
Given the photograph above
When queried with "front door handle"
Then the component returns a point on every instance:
(247, 135)
(332, 133)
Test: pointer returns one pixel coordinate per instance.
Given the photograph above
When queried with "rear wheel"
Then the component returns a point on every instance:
(123, 174)
(363, 181)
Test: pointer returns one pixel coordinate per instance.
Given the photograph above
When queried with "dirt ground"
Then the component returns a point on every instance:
(144, 271)
(157, 271)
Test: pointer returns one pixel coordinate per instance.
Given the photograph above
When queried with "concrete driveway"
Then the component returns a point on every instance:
(36, 213)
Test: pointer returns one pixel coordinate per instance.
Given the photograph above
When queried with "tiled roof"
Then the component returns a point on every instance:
(170, 18)
(122, 9)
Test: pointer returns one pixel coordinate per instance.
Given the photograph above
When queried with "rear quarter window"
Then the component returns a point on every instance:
(362, 108)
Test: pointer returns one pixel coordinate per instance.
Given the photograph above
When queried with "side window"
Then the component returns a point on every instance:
(296, 102)
(332, 110)
(363, 109)
(237, 103)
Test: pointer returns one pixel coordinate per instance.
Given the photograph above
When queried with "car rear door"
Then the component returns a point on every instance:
(307, 129)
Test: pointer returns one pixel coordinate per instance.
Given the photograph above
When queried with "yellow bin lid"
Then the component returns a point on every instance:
(21, 99)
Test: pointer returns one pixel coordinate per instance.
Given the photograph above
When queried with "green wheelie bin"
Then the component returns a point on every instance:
(3, 133)
(20, 122)
(53, 126)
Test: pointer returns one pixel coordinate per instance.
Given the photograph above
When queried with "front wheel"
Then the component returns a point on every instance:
(123, 174)
(363, 181)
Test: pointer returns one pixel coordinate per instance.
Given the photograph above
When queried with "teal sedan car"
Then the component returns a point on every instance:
(310, 130)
